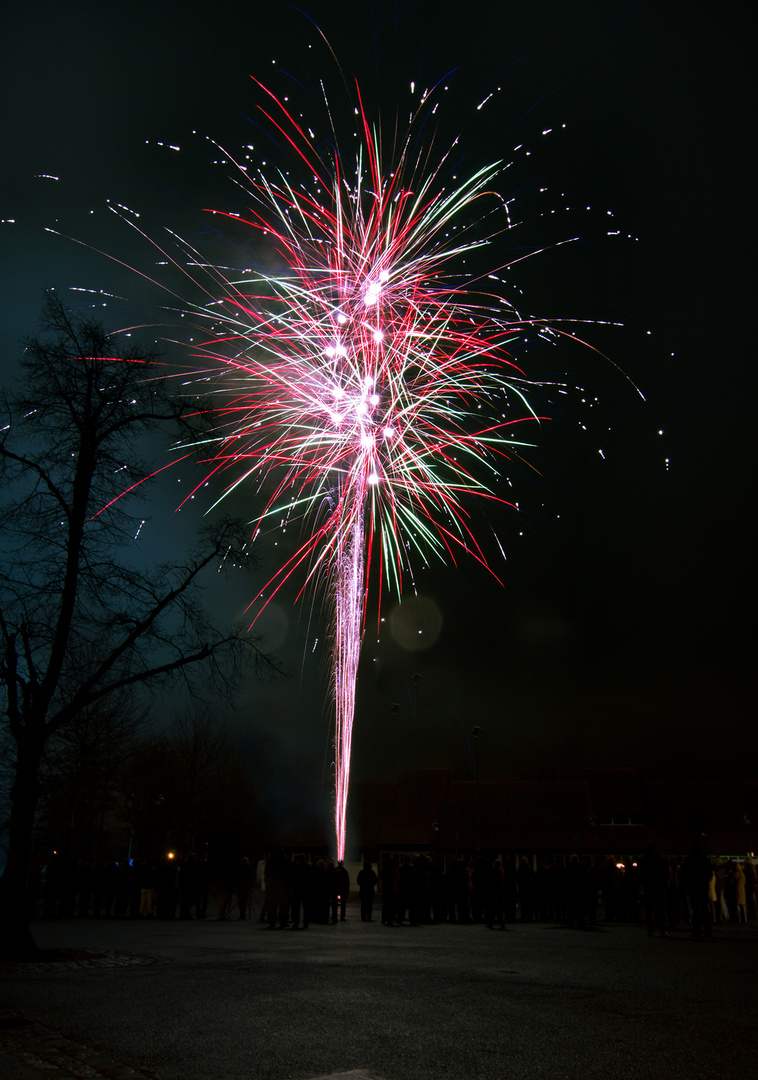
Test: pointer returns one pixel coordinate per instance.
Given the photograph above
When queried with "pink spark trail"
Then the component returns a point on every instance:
(366, 386)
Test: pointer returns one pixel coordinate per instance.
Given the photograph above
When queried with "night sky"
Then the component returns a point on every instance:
(624, 630)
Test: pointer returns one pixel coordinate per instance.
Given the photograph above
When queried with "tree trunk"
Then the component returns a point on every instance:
(16, 899)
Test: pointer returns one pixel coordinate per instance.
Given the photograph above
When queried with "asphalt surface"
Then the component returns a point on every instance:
(234, 1000)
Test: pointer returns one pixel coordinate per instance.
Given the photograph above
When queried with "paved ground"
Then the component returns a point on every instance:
(189, 1001)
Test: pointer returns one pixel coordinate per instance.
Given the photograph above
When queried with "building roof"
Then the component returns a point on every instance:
(404, 814)
(616, 792)
(609, 811)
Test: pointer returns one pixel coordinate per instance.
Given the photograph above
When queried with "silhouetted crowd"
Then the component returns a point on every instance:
(665, 893)
(164, 889)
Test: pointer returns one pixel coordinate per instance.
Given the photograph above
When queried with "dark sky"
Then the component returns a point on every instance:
(624, 632)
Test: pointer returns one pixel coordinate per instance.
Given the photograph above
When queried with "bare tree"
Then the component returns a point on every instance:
(78, 623)
(81, 811)
(195, 769)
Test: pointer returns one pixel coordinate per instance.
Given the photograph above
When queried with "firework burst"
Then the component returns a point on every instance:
(367, 386)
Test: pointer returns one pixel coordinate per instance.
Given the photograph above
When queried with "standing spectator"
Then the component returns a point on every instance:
(612, 884)
(135, 892)
(301, 892)
(510, 886)
(730, 892)
(225, 884)
(111, 887)
(166, 879)
(277, 889)
(332, 891)
(319, 897)
(713, 898)
(696, 877)
(630, 892)
(423, 901)
(654, 878)
(525, 877)
(124, 877)
(245, 882)
(367, 881)
(460, 883)
(189, 886)
(577, 886)
(203, 885)
(438, 891)
(343, 888)
(740, 893)
(480, 876)
(407, 901)
(751, 887)
(146, 885)
(542, 882)
(390, 887)
(681, 908)
(493, 895)
(722, 912)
